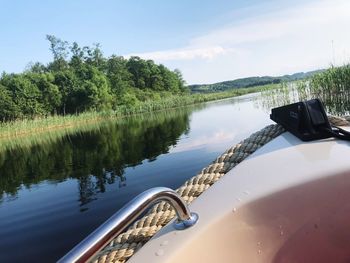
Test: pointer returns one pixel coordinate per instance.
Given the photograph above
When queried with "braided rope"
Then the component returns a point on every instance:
(127, 243)
(339, 121)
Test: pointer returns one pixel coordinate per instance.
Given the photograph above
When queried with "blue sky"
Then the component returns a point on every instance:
(209, 41)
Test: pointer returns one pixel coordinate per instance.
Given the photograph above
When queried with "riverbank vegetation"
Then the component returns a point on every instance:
(81, 86)
(333, 87)
(21, 128)
(81, 79)
(335, 80)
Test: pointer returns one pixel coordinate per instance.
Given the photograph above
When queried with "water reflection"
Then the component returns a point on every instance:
(95, 158)
(67, 184)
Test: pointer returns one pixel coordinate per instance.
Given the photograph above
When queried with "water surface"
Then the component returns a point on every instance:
(55, 193)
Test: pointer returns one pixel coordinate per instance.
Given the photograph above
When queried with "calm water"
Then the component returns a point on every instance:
(54, 194)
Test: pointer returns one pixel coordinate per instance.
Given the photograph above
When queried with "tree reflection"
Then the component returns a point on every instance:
(95, 158)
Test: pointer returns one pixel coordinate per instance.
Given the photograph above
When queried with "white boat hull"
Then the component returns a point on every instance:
(287, 202)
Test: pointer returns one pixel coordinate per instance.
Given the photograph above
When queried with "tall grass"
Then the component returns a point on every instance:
(332, 86)
(28, 140)
(333, 81)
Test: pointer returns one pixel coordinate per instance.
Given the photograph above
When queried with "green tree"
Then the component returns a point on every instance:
(140, 72)
(77, 58)
(180, 81)
(94, 56)
(8, 109)
(67, 83)
(119, 77)
(170, 81)
(93, 91)
(97, 91)
(50, 94)
(59, 49)
(80, 79)
(36, 67)
(155, 81)
(25, 94)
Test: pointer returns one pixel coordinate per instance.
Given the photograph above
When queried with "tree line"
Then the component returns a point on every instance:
(81, 79)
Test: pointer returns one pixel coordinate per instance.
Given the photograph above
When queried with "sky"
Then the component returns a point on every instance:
(209, 41)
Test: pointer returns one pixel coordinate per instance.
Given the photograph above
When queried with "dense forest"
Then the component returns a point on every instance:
(250, 82)
(81, 79)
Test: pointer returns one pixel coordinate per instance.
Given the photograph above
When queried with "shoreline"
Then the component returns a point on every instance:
(25, 128)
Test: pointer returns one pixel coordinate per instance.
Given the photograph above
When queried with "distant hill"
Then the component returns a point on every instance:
(250, 82)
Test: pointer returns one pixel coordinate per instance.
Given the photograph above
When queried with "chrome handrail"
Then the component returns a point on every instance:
(104, 234)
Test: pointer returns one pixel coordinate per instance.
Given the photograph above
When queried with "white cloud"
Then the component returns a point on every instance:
(220, 137)
(186, 53)
(278, 24)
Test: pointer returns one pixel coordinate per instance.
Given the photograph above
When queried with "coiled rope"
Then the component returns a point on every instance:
(127, 243)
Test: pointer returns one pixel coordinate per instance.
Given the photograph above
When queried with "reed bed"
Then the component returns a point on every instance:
(332, 86)
(25, 142)
(335, 80)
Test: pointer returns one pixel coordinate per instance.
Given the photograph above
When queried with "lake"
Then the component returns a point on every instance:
(53, 194)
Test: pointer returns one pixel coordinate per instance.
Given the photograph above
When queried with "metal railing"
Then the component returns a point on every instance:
(104, 234)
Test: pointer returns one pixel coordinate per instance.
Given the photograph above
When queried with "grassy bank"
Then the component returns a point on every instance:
(85, 128)
(22, 128)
